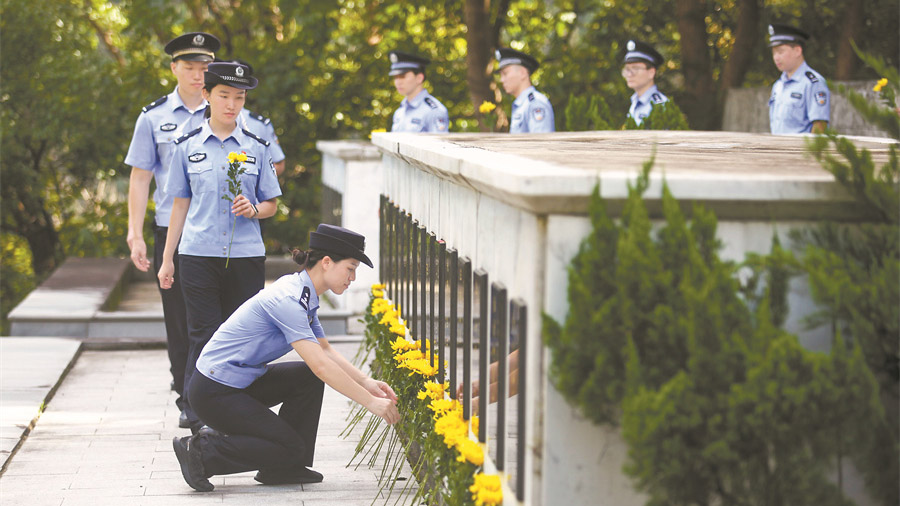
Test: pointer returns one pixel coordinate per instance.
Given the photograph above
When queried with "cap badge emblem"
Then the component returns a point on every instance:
(199, 40)
(630, 45)
(771, 30)
(239, 71)
(394, 58)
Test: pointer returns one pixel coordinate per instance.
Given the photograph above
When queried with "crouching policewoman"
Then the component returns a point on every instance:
(235, 386)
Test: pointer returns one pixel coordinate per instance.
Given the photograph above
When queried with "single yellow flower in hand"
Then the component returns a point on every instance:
(486, 107)
(880, 84)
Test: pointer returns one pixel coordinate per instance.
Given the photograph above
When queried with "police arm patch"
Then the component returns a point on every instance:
(537, 113)
(821, 97)
(304, 298)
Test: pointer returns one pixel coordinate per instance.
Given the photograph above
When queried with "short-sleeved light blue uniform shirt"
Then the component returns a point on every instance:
(423, 113)
(642, 105)
(199, 172)
(531, 113)
(262, 330)
(262, 126)
(799, 100)
(153, 143)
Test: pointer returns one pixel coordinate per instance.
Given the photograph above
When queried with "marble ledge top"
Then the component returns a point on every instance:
(751, 176)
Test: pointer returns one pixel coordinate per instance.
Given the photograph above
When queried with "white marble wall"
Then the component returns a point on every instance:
(353, 169)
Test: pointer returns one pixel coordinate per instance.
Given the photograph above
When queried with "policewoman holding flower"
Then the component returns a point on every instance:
(235, 385)
(223, 182)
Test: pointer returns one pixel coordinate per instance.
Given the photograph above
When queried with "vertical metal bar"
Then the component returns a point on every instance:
(442, 309)
(414, 280)
(484, 364)
(501, 337)
(519, 308)
(382, 234)
(423, 284)
(453, 275)
(465, 269)
(432, 293)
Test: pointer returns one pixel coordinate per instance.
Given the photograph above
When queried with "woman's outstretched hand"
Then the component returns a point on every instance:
(385, 408)
(380, 389)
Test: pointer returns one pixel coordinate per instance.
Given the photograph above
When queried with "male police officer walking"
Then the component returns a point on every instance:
(152, 145)
(419, 111)
(263, 127)
(800, 99)
(531, 110)
(639, 71)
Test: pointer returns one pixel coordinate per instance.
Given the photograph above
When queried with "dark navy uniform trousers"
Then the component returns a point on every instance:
(254, 437)
(174, 315)
(211, 294)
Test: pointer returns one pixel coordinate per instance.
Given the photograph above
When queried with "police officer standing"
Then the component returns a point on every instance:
(152, 145)
(262, 126)
(531, 110)
(639, 71)
(419, 111)
(218, 240)
(800, 98)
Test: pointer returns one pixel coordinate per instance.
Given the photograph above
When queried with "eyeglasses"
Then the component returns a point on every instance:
(630, 71)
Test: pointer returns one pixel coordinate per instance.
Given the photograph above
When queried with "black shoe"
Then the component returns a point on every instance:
(191, 464)
(304, 475)
(183, 422)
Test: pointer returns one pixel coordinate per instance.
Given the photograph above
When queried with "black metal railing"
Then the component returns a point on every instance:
(458, 311)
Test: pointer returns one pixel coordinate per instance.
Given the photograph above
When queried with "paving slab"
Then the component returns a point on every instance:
(105, 439)
(30, 370)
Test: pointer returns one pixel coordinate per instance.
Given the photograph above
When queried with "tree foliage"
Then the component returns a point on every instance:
(718, 404)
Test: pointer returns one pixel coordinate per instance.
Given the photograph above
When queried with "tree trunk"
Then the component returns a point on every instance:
(851, 29)
(746, 35)
(699, 103)
(478, 54)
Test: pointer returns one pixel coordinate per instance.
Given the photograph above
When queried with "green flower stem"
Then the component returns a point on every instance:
(228, 256)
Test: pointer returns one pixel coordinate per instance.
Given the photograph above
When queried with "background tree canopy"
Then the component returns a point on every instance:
(76, 73)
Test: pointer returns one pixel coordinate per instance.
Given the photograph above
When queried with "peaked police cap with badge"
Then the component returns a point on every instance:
(402, 63)
(339, 240)
(194, 46)
(507, 56)
(230, 74)
(639, 51)
(785, 34)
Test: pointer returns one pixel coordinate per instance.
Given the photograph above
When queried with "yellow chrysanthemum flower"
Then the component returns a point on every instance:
(486, 491)
(470, 451)
(378, 294)
(486, 107)
(433, 390)
(398, 329)
(378, 286)
(880, 84)
(474, 425)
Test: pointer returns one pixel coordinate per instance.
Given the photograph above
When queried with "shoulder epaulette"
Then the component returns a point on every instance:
(811, 76)
(248, 133)
(188, 135)
(657, 98)
(531, 96)
(431, 102)
(258, 117)
(155, 103)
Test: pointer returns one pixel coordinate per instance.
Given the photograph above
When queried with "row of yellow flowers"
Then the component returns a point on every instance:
(448, 413)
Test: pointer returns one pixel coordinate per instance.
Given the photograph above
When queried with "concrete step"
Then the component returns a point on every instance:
(108, 302)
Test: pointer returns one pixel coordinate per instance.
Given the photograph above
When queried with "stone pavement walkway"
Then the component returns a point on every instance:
(105, 438)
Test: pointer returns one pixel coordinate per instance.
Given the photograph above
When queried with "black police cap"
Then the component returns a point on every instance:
(639, 51)
(230, 74)
(194, 46)
(785, 34)
(402, 63)
(340, 241)
(507, 56)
